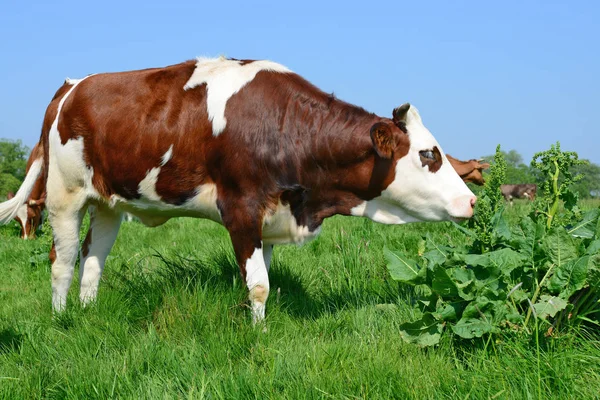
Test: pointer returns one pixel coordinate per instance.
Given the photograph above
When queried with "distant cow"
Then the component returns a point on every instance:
(520, 191)
(29, 215)
(248, 144)
(469, 171)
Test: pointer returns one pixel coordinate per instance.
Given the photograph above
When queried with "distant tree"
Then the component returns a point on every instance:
(13, 162)
(8, 183)
(516, 170)
(13, 158)
(589, 186)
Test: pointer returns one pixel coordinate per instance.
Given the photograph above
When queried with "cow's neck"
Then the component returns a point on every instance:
(343, 170)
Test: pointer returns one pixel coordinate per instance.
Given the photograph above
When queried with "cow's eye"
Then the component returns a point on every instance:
(427, 154)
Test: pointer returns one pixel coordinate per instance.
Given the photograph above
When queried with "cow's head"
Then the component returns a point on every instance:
(425, 187)
(469, 171)
(29, 217)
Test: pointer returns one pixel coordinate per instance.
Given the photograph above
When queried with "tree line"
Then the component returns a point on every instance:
(13, 162)
(519, 172)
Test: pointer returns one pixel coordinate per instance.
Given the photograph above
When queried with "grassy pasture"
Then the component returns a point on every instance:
(172, 322)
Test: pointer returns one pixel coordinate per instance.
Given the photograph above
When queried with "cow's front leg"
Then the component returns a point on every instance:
(257, 280)
(247, 243)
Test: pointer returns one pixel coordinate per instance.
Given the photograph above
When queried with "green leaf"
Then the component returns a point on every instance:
(559, 246)
(585, 228)
(479, 308)
(404, 269)
(501, 230)
(463, 275)
(593, 248)
(482, 260)
(449, 311)
(569, 277)
(467, 291)
(442, 284)
(424, 332)
(593, 276)
(525, 237)
(549, 306)
(429, 302)
(505, 260)
(469, 328)
(436, 254)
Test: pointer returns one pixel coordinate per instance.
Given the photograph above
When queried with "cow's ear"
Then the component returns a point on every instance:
(384, 140)
(483, 166)
(400, 114)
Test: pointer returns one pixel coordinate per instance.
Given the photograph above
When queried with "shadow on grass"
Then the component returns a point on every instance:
(10, 341)
(217, 271)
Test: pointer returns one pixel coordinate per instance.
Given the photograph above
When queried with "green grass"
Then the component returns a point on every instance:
(172, 322)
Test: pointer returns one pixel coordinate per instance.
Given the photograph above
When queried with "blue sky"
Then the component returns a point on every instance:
(522, 74)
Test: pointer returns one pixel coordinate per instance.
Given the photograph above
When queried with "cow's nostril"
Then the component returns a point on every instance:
(473, 201)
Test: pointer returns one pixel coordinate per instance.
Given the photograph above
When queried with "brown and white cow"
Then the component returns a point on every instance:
(469, 171)
(519, 191)
(248, 144)
(29, 215)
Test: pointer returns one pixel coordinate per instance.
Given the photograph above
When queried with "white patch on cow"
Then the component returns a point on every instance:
(204, 203)
(223, 79)
(256, 270)
(22, 215)
(280, 226)
(382, 211)
(147, 187)
(67, 170)
(416, 194)
(167, 156)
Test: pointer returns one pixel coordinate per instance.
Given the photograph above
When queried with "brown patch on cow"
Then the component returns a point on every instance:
(52, 254)
(434, 163)
(85, 247)
(319, 147)
(129, 120)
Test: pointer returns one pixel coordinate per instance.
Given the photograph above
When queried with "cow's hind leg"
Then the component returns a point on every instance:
(104, 226)
(66, 223)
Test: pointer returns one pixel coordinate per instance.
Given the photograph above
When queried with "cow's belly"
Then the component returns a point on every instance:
(279, 226)
(152, 211)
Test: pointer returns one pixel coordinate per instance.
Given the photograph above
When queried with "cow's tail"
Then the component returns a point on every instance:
(10, 208)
